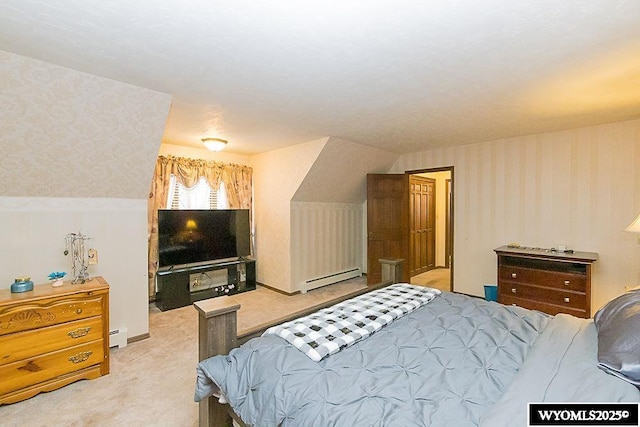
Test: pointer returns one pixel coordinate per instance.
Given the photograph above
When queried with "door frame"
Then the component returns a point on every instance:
(449, 230)
(451, 213)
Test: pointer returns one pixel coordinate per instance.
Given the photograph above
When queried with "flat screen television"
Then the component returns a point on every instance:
(200, 236)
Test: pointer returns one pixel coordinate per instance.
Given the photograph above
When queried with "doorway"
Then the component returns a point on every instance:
(431, 240)
(388, 228)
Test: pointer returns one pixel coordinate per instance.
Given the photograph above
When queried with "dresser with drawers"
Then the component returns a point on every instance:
(545, 280)
(52, 336)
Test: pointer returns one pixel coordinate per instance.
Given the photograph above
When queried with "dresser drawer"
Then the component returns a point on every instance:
(40, 313)
(23, 345)
(554, 279)
(544, 295)
(545, 280)
(52, 336)
(544, 307)
(48, 366)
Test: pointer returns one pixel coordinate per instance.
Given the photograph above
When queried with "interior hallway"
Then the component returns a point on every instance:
(439, 278)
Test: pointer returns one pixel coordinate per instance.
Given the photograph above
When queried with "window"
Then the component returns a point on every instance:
(200, 196)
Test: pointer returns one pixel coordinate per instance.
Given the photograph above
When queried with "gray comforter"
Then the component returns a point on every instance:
(445, 364)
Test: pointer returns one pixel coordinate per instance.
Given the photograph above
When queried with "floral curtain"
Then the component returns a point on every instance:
(237, 180)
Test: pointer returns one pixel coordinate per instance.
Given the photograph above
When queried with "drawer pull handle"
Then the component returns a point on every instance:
(566, 299)
(80, 357)
(78, 311)
(513, 290)
(567, 283)
(80, 332)
(514, 275)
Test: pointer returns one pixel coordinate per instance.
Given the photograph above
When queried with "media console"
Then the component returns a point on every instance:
(183, 286)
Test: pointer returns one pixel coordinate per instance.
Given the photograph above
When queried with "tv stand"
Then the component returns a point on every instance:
(179, 287)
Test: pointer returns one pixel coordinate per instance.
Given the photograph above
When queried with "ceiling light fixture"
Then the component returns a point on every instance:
(214, 144)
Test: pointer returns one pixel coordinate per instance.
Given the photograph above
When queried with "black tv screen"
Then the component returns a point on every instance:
(198, 236)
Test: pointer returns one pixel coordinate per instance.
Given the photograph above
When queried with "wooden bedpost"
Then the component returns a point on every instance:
(392, 269)
(217, 334)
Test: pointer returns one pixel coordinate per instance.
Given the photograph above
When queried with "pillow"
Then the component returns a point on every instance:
(618, 324)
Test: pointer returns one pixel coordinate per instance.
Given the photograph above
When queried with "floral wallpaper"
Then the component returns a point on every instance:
(65, 133)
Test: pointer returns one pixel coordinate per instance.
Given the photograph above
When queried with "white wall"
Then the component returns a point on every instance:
(277, 175)
(578, 187)
(78, 154)
(34, 231)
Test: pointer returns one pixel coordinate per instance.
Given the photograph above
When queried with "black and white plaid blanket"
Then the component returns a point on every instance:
(329, 330)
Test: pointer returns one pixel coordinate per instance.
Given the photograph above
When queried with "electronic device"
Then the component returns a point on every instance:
(197, 236)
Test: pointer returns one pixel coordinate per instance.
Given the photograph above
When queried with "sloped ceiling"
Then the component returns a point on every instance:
(339, 174)
(70, 134)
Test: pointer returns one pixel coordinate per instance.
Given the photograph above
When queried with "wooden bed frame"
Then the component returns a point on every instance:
(218, 334)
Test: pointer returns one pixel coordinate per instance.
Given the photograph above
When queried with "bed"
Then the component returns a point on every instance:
(455, 360)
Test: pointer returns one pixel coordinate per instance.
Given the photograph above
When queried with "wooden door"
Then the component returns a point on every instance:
(422, 214)
(387, 222)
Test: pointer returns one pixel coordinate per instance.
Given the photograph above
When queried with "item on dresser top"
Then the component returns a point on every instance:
(22, 284)
(76, 248)
(56, 278)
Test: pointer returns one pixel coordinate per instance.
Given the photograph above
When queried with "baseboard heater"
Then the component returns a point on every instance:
(118, 338)
(329, 279)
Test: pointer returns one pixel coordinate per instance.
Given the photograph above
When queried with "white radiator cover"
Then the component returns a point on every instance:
(330, 279)
(118, 338)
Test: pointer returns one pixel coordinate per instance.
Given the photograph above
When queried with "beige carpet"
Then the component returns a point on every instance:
(152, 381)
(438, 278)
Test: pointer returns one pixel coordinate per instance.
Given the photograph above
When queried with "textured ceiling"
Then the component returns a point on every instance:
(402, 76)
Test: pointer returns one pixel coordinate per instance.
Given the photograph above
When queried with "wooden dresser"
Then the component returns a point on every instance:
(544, 280)
(52, 336)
